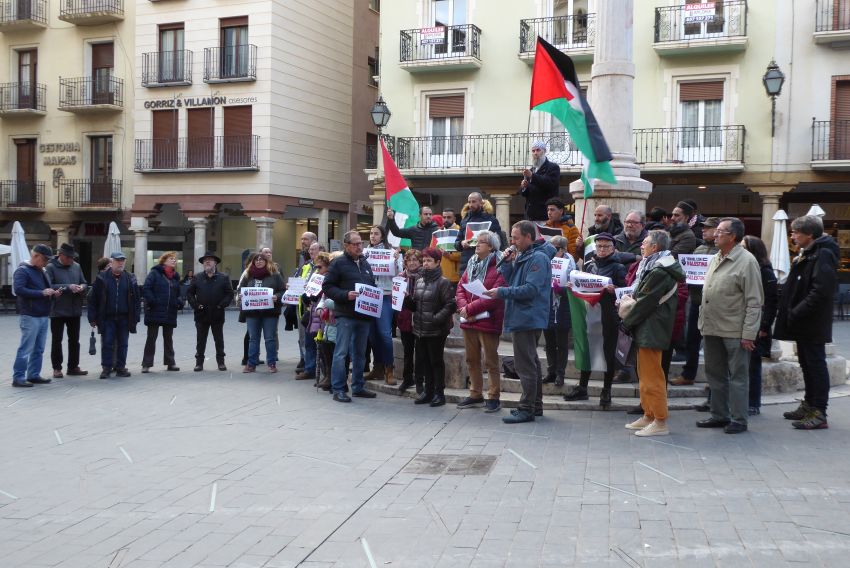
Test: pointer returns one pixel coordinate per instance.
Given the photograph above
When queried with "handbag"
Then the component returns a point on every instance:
(92, 344)
(624, 346)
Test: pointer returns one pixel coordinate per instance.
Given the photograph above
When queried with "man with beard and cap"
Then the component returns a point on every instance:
(67, 276)
(419, 234)
(539, 183)
(604, 221)
(478, 210)
(209, 294)
(114, 308)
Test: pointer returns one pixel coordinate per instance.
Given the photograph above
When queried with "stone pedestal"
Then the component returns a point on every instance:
(323, 228)
(140, 228)
(265, 228)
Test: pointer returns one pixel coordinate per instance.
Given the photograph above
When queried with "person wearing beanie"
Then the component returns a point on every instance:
(540, 182)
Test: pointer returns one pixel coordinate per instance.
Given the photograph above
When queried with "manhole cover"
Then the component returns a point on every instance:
(450, 464)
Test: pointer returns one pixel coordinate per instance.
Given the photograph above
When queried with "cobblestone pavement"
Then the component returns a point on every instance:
(223, 469)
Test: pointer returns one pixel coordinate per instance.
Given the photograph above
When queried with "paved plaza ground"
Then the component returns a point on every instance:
(220, 469)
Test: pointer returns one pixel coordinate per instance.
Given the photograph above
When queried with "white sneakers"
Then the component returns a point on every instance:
(646, 426)
(640, 423)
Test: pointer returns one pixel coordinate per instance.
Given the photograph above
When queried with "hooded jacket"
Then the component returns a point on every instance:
(29, 284)
(162, 297)
(419, 234)
(476, 305)
(651, 324)
(544, 185)
(115, 298)
(67, 304)
(806, 298)
(482, 215)
(433, 303)
(570, 232)
(527, 295)
(682, 239)
(732, 296)
(627, 252)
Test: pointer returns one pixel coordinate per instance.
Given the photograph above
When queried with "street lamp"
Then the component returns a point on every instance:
(380, 114)
(380, 117)
(773, 80)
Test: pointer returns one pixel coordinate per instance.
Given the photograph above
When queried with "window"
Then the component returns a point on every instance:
(234, 47)
(839, 138)
(373, 69)
(375, 5)
(238, 152)
(101, 169)
(450, 13)
(700, 121)
(445, 123)
(371, 150)
(171, 53)
(102, 63)
(27, 78)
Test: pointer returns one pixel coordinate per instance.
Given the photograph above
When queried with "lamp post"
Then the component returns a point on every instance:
(773, 80)
(380, 117)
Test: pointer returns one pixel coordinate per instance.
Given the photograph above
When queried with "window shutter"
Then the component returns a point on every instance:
(238, 21)
(703, 91)
(445, 107)
(842, 100)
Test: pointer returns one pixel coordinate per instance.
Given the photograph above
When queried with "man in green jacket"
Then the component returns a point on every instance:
(729, 320)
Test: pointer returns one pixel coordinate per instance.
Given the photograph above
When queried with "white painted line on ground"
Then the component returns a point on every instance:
(368, 552)
(292, 454)
(671, 445)
(212, 496)
(9, 495)
(58, 437)
(69, 390)
(173, 398)
(522, 459)
(278, 400)
(14, 403)
(626, 492)
(126, 455)
(659, 472)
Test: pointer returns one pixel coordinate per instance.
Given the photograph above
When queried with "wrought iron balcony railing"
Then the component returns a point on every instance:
(830, 140)
(695, 21)
(90, 92)
(69, 9)
(22, 97)
(705, 145)
(832, 15)
(440, 43)
(15, 194)
(102, 193)
(230, 63)
(564, 32)
(372, 152)
(215, 153)
(166, 68)
(14, 12)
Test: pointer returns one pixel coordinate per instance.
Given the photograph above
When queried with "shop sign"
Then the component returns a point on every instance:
(190, 102)
(65, 151)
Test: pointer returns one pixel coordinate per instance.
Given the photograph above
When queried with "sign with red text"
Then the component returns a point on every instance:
(294, 289)
(314, 285)
(432, 36)
(399, 291)
(257, 298)
(382, 261)
(587, 283)
(369, 300)
(561, 268)
(695, 267)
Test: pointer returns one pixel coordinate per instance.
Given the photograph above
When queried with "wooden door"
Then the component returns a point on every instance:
(234, 56)
(25, 189)
(200, 142)
(237, 136)
(101, 171)
(27, 77)
(164, 143)
(102, 61)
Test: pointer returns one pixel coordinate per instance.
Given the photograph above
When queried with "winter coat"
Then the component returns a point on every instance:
(478, 304)
(695, 292)
(343, 273)
(682, 239)
(529, 281)
(651, 324)
(614, 228)
(770, 286)
(451, 261)
(732, 296)
(544, 185)
(30, 283)
(209, 296)
(273, 281)
(806, 299)
(162, 297)
(627, 252)
(480, 216)
(404, 320)
(559, 312)
(68, 304)
(570, 232)
(609, 266)
(115, 298)
(419, 235)
(433, 303)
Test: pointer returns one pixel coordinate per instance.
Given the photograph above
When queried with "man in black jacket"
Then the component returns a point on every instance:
(352, 328)
(419, 234)
(209, 294)
(66, 275)
(476, 213)
(540, 182)
(805, 316)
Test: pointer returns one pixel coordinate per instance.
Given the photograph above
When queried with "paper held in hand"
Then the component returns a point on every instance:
(314, 285)
(475, 229)
(561, 268)
(695, 267)
(294, 289)
(627, 290)
(257, 298)
(476, 287)
(382, 261)
(369, 300)
(399, 290)
(476, 317)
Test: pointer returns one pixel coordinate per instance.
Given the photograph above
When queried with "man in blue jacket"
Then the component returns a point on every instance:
(33, 291)
(527, 269)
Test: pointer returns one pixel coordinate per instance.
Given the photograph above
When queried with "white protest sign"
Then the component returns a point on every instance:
(399, 290)
(474, 229)
(620, 292)
(294, 289)
(314, 285)
(476, 287)
(561, 268)
(586, 283)
(382, 261)
(369, 300)
(257, 298)
(695, 267)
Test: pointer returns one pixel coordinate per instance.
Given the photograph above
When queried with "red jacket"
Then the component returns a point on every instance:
(475, 305)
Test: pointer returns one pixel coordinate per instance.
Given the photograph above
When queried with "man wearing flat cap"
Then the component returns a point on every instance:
(209, 294)
(114, 308)
(66, 276)
(539, 183)
(33, 291)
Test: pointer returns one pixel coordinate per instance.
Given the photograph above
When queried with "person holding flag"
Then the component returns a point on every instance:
(420, 234)
(478, 212)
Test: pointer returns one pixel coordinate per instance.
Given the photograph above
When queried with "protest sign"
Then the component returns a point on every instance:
(586, 283)
(257, 298)
(382, 261)
(561, 268)
(627, 290)
(474, 229)
(399, 290)
(369, 300)
(314, 285)
(294, 289)
(695, 267)
(444, 239)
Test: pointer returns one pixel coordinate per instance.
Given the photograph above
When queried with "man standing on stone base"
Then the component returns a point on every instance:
(209, 294)
(66, 276)
(539, 183)
(527, 270)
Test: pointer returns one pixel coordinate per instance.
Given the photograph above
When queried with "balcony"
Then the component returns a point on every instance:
(477, 154)
(192, 155)
(710, 27)
(22, 99)
(18, 195)
(167, 68)
(831, 145)
(441, 48)
(83, 194)
(22, 15)
(91, 95)
(691, 149)
(230, 64)
(574, 35)
(91, 12)
(832, 23)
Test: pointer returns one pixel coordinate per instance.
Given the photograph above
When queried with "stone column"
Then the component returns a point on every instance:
(265, 228)
(141, 228)
(64, 234)
(769, 207)
(323, 228)
(379, 199)
(200, 227)
(503, 211)
(612, 79)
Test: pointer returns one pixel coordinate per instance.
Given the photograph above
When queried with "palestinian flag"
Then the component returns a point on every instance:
(399, 198)
(474, 229)
(587, 334)
(555, 89)
(444, 239)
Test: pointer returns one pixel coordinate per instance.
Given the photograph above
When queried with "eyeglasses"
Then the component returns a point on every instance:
(357, 244)
(633, 223)
(722, 232)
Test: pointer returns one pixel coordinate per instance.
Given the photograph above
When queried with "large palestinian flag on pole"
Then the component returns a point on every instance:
(399, 198)
(555, 89)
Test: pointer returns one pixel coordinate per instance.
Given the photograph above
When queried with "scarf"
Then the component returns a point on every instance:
(647, 264)
(169, 271)
(476, 268)
(258, 273)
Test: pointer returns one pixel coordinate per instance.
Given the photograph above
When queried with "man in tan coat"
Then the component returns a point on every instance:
(729, 320)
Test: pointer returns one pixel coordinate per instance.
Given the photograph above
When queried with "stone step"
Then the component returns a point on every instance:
(594, 388)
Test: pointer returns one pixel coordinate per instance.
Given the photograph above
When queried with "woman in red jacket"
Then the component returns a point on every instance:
(481, 321)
